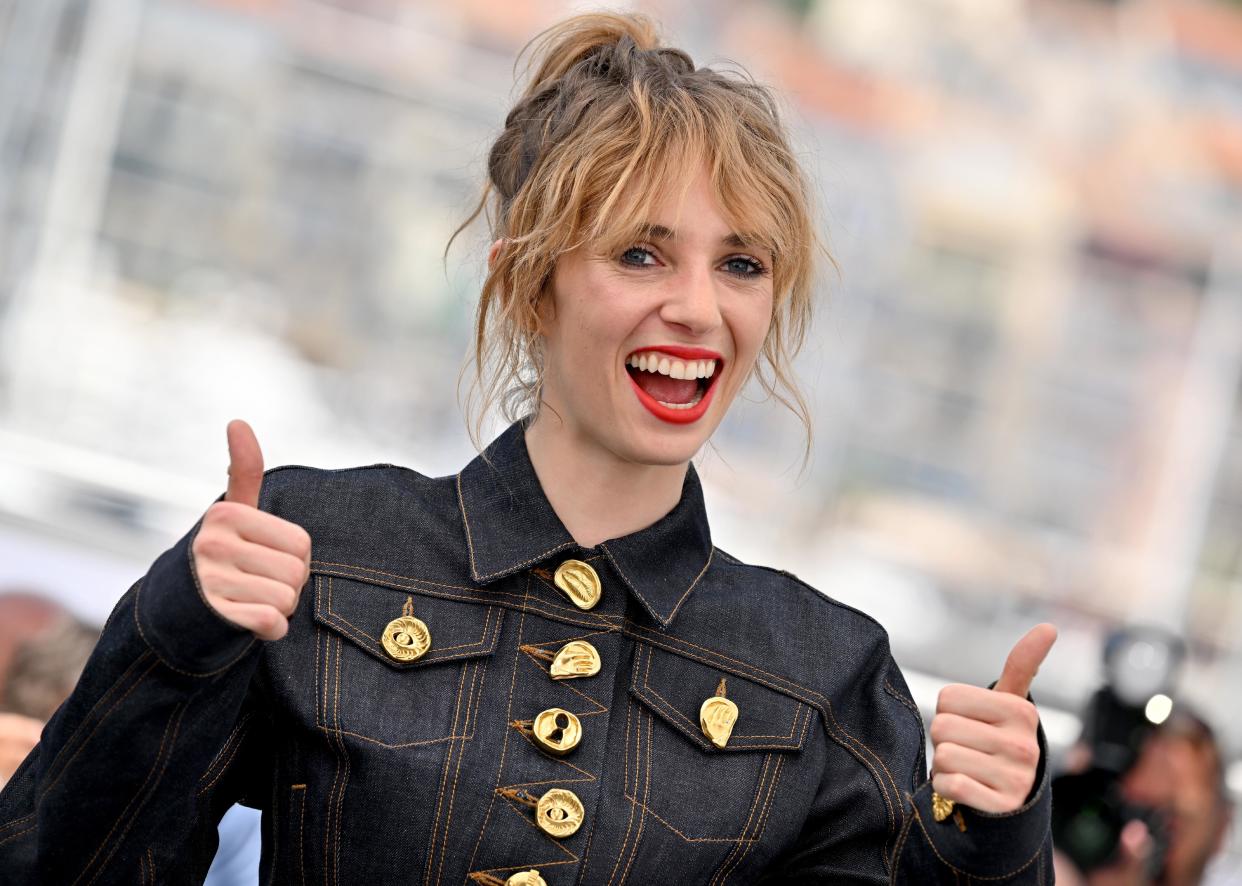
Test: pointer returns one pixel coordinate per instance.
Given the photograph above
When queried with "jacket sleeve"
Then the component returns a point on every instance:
(135, 768)
(872, 819)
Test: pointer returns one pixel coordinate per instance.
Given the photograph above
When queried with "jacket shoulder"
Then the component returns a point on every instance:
(766, 592)
(379, 516)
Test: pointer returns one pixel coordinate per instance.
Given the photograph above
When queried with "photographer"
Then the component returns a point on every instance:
(1177, 781)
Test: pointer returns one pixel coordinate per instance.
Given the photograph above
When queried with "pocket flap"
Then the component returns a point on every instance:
(674, 688)
(360, 611)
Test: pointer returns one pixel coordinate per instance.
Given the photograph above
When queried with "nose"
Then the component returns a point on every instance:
(692, 302)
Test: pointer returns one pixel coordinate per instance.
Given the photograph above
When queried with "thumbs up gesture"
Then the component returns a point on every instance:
(250, 564)
(986, 751)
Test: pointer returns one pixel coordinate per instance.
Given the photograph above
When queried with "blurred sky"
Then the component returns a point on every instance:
(1024, 376)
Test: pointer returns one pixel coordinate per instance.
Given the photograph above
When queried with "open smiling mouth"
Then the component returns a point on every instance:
(675, 384)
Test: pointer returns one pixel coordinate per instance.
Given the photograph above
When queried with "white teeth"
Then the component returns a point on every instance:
(695, 402)
(652, 362)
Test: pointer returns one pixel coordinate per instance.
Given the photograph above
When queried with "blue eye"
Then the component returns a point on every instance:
(744, 266)
(637, 256)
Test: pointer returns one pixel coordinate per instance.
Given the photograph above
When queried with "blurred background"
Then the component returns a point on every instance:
(1026, 376)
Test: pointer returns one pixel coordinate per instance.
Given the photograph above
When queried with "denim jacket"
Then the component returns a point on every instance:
(370, 769)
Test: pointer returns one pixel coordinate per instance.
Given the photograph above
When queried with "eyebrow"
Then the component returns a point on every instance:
(660, 232)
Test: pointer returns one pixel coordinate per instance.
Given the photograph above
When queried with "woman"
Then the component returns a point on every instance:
(541, 670)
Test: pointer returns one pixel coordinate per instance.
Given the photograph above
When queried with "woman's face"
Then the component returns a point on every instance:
(646, 349)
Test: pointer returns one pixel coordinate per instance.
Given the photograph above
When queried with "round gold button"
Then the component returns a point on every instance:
(557, 731)
(559, 813)
(579, 582)
(577, 658)
(406, 638)
(526, 878)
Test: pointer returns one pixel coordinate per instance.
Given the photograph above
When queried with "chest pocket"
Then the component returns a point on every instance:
(363, 691)
(701, 791)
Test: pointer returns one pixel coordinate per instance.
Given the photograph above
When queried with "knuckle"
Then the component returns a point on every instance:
(947, 755)
(209, 545)
(1026, 751)
(207, 577)
(297, 575)
(1026, 714)
(269, 621)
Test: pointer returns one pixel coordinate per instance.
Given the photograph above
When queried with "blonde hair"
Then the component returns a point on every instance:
(607, 119)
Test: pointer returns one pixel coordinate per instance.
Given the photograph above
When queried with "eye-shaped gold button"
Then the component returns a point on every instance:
(559, 813)
(579, 582)
(406, 638)
(717, 716)
(526, 878)
(557, 731)
(577, 658)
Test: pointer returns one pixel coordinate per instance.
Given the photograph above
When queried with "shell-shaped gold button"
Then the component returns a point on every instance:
(577, 658)
(579, 582)
(557, 731)
(526, 878)
(716, 718)
(406, 638)
(559, 813)
(942, 807)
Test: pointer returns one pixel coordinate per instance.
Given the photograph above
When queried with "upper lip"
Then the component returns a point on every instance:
(681, 352)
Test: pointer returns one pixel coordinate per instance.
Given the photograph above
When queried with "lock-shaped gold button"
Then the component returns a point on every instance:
(559, 813)
(557, 731)
(577, 658)
(406, 638)
(526, 878)
(579, 582)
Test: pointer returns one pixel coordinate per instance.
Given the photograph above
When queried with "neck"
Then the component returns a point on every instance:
(597, 494)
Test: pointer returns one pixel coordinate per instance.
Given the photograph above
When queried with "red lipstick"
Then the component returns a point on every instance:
(679, 416)
(682, 352)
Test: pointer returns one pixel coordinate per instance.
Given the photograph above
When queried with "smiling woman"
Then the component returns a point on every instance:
(541, 671)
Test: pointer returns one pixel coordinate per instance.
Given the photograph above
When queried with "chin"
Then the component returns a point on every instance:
(665, 445)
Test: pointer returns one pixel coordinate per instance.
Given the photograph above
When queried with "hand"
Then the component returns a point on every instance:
(1130, 866)
(18, 736)
(986, 750)
(251, 565)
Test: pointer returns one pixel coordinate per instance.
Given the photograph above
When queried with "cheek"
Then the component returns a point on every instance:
(751, 330)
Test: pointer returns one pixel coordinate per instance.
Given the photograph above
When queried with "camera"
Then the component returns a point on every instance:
(1089, 810)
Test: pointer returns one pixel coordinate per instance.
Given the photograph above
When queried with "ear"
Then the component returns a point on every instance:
(493, 251)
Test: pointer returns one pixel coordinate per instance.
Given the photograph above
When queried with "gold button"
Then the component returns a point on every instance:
(526, 878)
(580, 582)
(559, 813)
(557, 731)
(406, 638)
(942, 807)
(577, 658)
(717, 716)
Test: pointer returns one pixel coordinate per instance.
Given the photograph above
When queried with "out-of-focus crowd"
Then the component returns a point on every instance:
(43, 649)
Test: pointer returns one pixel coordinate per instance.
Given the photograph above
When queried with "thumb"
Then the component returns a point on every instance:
(1025, 658)
(245, 465)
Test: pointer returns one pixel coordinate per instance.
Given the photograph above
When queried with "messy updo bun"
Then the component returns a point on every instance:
(609, 120)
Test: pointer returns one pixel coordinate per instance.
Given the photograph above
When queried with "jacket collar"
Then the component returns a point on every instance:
(510, 526)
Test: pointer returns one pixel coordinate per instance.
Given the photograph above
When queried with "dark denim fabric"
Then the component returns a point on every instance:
(370, 771)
